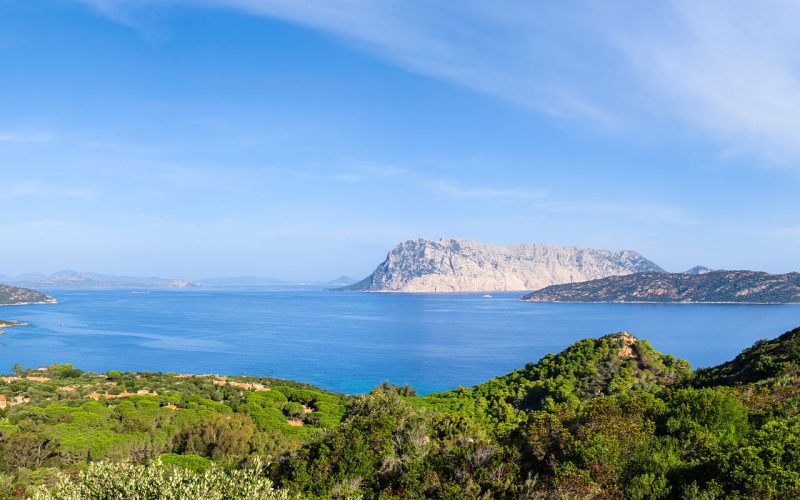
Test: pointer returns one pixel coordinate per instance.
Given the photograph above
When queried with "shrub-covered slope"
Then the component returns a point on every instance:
(589, 368)
(605, 418)
(775, 362)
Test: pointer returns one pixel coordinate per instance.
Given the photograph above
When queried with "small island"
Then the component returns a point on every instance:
(13, 296)
(9, 324)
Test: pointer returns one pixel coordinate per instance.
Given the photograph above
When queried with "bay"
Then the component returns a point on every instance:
(349, 342)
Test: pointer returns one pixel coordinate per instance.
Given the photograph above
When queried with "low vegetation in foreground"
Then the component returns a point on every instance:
(605, 418)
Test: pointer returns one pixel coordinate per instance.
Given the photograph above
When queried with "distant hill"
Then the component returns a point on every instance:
(710, 287)
(767, 362)
(450, 265)
(698, 270)
(69, 279)
(12, 295)
(619, 362)
(590, 368)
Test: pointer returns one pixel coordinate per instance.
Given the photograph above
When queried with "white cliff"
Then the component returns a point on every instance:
(450, 265)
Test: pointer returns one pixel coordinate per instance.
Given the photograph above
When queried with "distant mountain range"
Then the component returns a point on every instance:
(450, 265)
(255, 281)
(75, 280)
(12, 295)
(84, 280)
(707, 287)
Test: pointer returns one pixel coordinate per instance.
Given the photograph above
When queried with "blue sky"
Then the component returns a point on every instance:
(301, 140)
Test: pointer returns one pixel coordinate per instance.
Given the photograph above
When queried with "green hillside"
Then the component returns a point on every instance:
(768, 362)
(605, 418)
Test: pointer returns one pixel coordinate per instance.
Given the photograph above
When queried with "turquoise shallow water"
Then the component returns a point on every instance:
(350, 342)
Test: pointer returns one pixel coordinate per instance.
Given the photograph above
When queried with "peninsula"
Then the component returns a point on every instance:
(12, 295)
(709, 287)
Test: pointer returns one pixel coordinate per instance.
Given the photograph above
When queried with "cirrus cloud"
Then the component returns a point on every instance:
(728, 70)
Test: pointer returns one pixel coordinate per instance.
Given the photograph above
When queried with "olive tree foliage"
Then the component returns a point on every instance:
(128, 481)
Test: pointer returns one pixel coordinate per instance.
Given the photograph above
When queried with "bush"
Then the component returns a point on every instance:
(219, 436)
(157, 480)
(189, 461)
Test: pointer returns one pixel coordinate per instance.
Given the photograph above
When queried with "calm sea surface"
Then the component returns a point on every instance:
(349, 342)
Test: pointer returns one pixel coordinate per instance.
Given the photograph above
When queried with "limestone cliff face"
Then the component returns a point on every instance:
(450, 265)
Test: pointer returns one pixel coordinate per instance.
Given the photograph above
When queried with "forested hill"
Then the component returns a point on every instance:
(709, 287)
(605, 418)
(590, 368)
(772, 362)
(11, 295)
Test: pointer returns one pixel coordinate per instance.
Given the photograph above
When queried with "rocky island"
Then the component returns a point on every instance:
(12, 295)
(708, 287)
(451, 265)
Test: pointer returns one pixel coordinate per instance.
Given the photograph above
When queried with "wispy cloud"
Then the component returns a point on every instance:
(452, 190)
(23, 137)
(359, 174)
(37, 189)
(506, 50)
(784, 234)
(141, 15)
(646, 212)
(729, 70)
(724, 68)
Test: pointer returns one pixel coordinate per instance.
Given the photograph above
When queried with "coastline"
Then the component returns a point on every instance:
(682, 303)
(54, 301)
(520, 299)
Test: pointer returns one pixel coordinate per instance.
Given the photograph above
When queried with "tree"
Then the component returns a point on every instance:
(219, 436)
(29, 449)
(293, 409)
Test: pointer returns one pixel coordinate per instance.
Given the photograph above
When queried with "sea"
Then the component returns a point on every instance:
(350, 342)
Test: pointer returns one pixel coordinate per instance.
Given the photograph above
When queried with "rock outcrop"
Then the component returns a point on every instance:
(709, 287)
(450, 265)
(699, 270)
(12, 295)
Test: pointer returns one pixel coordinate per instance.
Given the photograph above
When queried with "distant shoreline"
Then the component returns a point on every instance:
(31, 303)
(520, 299)
(662, 303)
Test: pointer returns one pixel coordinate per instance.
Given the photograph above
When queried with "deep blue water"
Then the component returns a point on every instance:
(349, 342)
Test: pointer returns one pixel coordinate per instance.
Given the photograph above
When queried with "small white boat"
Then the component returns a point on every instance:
(487, 296)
